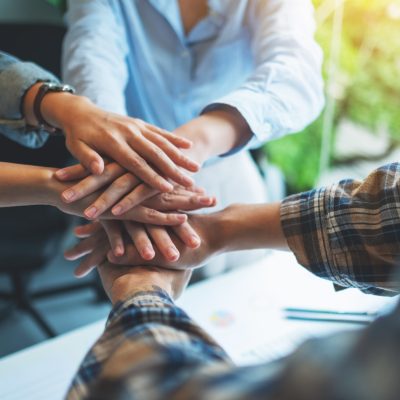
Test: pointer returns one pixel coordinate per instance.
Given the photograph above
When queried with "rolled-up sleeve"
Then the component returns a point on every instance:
(285, 91)
(349, 232)
(94, 53)
(16, 77)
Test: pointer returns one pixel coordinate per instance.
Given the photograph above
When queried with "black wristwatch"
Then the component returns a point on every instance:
(45, 88)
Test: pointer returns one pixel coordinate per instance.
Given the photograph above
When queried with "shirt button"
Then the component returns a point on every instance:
(185, 54)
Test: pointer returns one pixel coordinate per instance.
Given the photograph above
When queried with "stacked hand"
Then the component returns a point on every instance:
(95, 247)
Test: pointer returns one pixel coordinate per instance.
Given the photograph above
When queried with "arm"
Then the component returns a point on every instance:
(151, 349)
(16, 78)
(22, 185)
(285, 91)
(94, 54)
(346, 232)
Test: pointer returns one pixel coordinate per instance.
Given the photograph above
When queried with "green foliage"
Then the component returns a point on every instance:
(61, 4)
(368, 78)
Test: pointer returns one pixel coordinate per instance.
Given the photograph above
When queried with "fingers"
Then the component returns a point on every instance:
(111, 195)
(130, 257)
(178, 141)
(92, 183)
(88, 157)
(188, 235)
(114, 231)
(84, 231)
(92, 260)
(72, 173)
(140, 239)
(125, 155)
(157, 157)
(150, 216)
(134, 198)
(172, 151)
(85, 246)
(180, 200)
(162, 239)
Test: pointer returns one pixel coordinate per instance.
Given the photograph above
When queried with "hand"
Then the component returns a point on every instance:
(202, 243)
(122, 282)
(95, 244)
(139, 213)
(207, 228)
(123, 191)
(141, 148)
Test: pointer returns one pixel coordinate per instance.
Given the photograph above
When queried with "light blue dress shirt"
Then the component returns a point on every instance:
(258, 56)
(133, 57)
(16, 77)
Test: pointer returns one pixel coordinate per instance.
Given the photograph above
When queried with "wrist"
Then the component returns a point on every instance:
(57, 108)
(250, 226)
(141, 279)
(53, 188)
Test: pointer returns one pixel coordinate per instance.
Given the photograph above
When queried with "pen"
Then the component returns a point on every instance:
(329, 312)
(322, 319)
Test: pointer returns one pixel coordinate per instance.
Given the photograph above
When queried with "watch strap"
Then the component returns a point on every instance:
(45, 88)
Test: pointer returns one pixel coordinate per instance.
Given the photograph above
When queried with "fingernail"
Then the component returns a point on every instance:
(91, 212)
(172, 253)
(194, 166)
(148, 253)
(95, 167)
(181, 218)
(195, 241)
(119, 251)
(205, 200)
(188, 181)
(61, 173)
(117, 210)
(166, 186)
(68, 194)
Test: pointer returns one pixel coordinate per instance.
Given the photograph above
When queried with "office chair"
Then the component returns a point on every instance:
(31, 236)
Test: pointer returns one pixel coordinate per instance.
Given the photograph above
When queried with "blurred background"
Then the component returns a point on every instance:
(360, 126)
(358, 131)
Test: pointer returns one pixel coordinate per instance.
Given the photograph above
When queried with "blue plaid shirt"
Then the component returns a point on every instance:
(151, 349)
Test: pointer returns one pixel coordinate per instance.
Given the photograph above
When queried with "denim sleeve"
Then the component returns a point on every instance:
(16, 77)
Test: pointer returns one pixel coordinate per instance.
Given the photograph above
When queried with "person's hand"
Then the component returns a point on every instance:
(122, 282)
(121, 190)
(94, 247)
(202, 242)
(141, 148)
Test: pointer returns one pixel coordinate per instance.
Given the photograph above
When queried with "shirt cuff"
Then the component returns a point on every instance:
(251, 106)
(154, 297)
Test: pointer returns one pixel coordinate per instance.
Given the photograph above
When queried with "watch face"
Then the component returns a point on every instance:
(55, 87)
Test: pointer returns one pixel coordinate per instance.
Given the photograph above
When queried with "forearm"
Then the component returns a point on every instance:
(22, 185)
(143, 347)
(56, 108)
(245, 226)
(215, 133)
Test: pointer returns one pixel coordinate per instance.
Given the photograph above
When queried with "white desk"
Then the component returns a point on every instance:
(242, 310)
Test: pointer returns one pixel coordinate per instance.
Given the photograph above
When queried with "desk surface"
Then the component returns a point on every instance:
(246, 301)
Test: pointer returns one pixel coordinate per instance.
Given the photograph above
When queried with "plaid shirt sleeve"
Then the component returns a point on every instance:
(142, 333)
(152, 350)
(349, 232)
